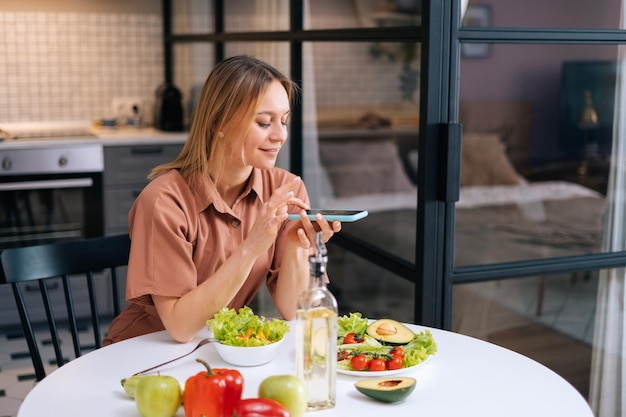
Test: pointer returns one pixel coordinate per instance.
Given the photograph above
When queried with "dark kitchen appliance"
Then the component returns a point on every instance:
(169, 109)
(49, 192)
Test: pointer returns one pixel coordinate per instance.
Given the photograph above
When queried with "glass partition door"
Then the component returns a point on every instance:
(538, 254)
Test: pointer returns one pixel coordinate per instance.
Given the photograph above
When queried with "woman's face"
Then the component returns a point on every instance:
(268, 132)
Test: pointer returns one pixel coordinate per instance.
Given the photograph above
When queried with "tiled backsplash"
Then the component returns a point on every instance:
(70, 66)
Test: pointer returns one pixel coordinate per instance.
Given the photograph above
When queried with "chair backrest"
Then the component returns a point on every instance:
(86, 260)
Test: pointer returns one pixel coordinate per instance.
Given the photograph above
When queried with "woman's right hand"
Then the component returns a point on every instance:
(272, 215)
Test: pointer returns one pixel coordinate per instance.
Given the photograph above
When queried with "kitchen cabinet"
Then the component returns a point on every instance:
(126, 168)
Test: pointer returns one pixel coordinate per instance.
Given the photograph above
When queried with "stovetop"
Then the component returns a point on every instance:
(49, 157)
(45, 130)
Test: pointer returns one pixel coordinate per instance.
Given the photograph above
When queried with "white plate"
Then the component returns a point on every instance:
(382, 373)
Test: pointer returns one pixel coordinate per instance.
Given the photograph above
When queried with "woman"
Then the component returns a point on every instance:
(211, 226)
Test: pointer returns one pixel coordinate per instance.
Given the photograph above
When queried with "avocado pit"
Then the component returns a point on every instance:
(390, 332)
(386, 390)
(390, 383)
(386, 329)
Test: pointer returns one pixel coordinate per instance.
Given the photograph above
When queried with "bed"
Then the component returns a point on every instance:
(500, 216)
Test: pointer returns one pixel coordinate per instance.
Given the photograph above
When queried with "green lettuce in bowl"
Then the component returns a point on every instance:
(244, 328)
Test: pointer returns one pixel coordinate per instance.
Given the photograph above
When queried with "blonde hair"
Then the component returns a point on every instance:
(227, 102)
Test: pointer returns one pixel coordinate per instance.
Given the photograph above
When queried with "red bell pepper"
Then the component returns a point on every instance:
(260, 407)
(213, 393)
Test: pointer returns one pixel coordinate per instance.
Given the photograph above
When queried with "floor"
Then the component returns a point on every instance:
(557, 331)
(504, 312)
(565, 303)
(566, 356)
(17, 376)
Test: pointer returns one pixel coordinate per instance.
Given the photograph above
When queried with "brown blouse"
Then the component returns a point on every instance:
(180, 236)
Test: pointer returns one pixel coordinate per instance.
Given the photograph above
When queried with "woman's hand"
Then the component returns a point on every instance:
(303, 233)
(293, 277)
(272, 215)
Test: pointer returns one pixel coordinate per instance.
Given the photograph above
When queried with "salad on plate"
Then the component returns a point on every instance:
(380, 347)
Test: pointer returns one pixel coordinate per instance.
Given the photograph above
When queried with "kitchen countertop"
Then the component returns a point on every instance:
(134, 136)
(118, 136)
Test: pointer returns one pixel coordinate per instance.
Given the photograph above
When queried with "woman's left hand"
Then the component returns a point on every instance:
(303, 233)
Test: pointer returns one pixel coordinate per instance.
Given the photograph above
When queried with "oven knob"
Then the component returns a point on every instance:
(7, 164)
(62, 161)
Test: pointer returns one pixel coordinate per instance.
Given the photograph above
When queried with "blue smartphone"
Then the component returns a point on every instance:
(332, 215)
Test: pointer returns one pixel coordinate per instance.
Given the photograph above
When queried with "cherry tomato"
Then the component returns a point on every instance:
(397, 351)
(343, 355)
(376, 364)
(359, 362)
(395, 362)
(349, 339)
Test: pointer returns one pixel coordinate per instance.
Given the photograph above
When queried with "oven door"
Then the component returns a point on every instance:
(38, 209)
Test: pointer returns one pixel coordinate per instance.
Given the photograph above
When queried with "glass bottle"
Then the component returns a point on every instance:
(316, 335)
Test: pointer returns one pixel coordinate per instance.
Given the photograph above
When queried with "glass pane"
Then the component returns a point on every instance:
(256, 15)
(32, 217)
(549, 318)
(192, 64)
(341, 14)
(371, 290)
(194, 61)
(192, 16)
(365, 115)
(600, 14)
(275, 53)
(536, 151)
(196, 16)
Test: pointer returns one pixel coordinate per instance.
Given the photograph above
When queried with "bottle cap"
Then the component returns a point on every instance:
(319, 259)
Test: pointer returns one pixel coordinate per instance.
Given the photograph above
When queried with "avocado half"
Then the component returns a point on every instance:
(388, 390)
(390, 331)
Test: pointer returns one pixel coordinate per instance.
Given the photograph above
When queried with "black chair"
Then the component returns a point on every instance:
(86, 259)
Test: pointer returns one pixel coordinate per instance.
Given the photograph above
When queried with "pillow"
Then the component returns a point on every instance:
(483, 161)
(364, 167)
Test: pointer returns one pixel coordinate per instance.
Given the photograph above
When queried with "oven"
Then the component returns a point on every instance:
(50, 192)
(51, 189)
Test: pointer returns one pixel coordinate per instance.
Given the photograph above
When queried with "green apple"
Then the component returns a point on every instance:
(289, 390)
(130, 384)
(158, 396)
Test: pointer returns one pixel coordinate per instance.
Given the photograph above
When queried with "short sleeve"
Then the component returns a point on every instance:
(161, 257)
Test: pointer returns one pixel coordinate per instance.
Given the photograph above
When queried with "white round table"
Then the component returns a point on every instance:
(467, 377)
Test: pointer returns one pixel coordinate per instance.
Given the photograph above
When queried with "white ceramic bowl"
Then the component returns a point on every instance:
(248, 356)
